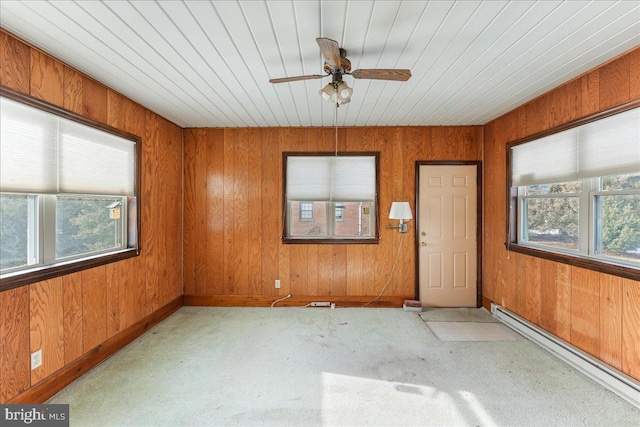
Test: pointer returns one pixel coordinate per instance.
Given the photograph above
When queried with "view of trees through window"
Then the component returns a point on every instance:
(14, 214)
(552, 218)
(620, 231)
(83, 225)
(554, 221)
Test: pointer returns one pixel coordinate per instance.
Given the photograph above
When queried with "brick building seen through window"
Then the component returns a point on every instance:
(351, 218)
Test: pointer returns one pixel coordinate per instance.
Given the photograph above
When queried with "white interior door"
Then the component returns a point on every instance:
(447, 246)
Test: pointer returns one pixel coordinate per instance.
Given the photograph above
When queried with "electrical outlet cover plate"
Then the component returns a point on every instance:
(277, 283)
(36, 359)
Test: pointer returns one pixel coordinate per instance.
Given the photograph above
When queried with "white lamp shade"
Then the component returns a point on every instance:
(329, 92)
(400, 210)
(344, 92)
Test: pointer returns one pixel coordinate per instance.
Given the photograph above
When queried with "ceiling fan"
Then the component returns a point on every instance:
(337, 65)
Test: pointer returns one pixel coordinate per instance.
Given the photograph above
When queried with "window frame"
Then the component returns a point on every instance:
(595, 208)
(37, 273)
(375, 239)
(589, 234)
(514, 214)
(122, 233)
(522, 229)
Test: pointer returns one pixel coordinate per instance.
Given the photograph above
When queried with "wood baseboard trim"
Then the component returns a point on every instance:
(486, 303)
(294, 301)
(40, 392)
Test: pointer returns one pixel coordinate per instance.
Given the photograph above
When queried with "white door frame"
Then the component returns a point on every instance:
(479, 222)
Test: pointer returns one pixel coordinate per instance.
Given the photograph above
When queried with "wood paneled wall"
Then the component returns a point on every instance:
(69, 316)
(233, 211)
(596, 312)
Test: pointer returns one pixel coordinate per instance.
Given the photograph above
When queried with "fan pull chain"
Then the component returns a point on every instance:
(335, 122)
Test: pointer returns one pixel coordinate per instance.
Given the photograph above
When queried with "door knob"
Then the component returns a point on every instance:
(424, 233)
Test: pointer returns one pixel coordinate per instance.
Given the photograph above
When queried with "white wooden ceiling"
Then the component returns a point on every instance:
(207, 63)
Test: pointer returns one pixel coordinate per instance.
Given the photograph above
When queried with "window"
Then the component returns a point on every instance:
(577, 192)
(68, 192)
(550, 215)
(340, 211)
(329, 198)
(306, 211)
(88, 224)
(617, 217)
(17, 225)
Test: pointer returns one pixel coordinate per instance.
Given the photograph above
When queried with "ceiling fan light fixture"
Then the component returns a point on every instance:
(336, 92)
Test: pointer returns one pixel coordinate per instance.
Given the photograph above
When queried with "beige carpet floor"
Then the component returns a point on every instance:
(353, 367)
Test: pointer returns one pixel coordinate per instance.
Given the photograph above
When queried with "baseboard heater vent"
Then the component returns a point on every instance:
(616, 381)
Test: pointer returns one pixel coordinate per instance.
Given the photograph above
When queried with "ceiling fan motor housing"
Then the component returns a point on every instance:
(345, 67)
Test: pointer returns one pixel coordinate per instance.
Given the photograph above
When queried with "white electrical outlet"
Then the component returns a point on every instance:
(36, 359)
(277, 283)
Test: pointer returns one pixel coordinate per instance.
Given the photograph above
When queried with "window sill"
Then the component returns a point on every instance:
(600, 266)
(37, 274)
(330, 241)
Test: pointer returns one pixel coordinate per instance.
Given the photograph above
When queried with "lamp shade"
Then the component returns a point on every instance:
(329, 92)
(400, 210)
(344, 92)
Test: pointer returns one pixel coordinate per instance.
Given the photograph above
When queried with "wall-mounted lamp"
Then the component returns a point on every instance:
(401, 211)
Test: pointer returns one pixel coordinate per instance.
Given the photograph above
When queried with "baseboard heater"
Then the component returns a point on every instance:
(616, 381)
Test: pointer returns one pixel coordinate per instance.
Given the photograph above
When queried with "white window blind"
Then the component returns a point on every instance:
(28, 149)
(331, 178)
(47, 154)
(95, 162)
(308, 178)
(545, 160)
(610, 146)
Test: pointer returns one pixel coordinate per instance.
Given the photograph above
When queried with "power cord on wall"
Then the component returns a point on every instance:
(281, 299)
(393, 268)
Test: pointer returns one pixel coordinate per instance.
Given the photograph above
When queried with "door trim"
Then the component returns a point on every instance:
(479, 223)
